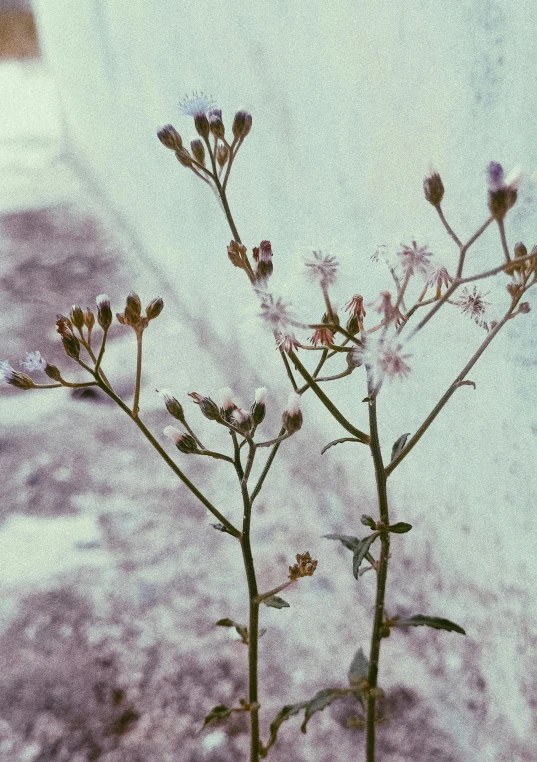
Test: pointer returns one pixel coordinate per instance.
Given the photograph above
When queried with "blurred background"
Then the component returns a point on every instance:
(111, 576)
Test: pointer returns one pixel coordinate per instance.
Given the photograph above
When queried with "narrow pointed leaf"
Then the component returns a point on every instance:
(275, 602)
(225, 622)
(241, 628)
(399, 445)
(430, 621)
(219, 712)
(284, 714)
(359, 668)
(350, 542)
(320, 701)
(361, 552)
(400, 528)
(338, 441)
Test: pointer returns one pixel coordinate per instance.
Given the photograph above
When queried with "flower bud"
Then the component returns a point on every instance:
(89, 319)
(184, 442)
(20, 380)
(198, 151)
(353, 325)
(236, 253)
(292, 416)
(355, 358)
(184, 158)
(227, 404)
(53, 372)
(217, 125)
(154, 308)
(258, 409)
(208, 407)
(241, 421)
(104, 313)
(520, 250)
(222, 154)
(71, 346)
(77, 317)
(173, 406)
(170, 138)
(433, 187)
(201, 123)
(242, 124)
(524, 308)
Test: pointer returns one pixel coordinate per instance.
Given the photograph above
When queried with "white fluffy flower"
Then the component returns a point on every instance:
(196, 104)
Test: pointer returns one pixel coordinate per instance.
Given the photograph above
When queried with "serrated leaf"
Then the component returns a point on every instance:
(275, 602)
(320, 701)
(338, 441)
(359, 668)
(219, 712)
(350, 542)
(399, 445)
(361, 552)
(430, 621)
(400, 528)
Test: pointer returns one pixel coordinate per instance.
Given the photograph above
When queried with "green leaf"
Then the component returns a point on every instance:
(400, 528)
(361, 552)
(430, 621)
(338, 441)
(368, 521)
(219, 712)
(275, 602)
(359, 668)
(399, 445)
(284, 714)
(320, 701)
(241, 628)
(350, 542)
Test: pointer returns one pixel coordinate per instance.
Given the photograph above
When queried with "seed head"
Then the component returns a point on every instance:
(322, 268)
(274, 312)
(384, 306)
(287, 341)
(89, 319)
(356, 307)
(473, 304)
(305, 566)
(34, 361)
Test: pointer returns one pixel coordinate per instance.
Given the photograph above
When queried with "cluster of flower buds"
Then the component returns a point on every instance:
(304, 567)
(228, 412)
(238, 256)
(207, 122)
(502, 190)
(132, 315)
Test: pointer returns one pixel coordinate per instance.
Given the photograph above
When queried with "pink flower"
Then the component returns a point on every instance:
(414, 259)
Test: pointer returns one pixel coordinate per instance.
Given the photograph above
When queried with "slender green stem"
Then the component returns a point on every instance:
(412, 442)
(503, 239)
(469, 243)
(266, 469)
(136, 403)
(231, 529)
(382, 575)
(216, 455)
(288, 369)
(327, 402)
(263, 596)
(447, 226)
(253, 623)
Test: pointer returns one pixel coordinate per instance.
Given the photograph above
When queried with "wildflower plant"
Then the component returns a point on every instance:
(373, 344)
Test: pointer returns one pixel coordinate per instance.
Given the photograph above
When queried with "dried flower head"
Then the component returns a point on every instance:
(34, 361)
(287, 341)
(304, 567)
(274, 312)
(356, 307)
(438, 276)
(384, 306)
(322, 268)
(70, 343)
(473, 304)
(414, 259)
(77, 316)
(324, 336)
